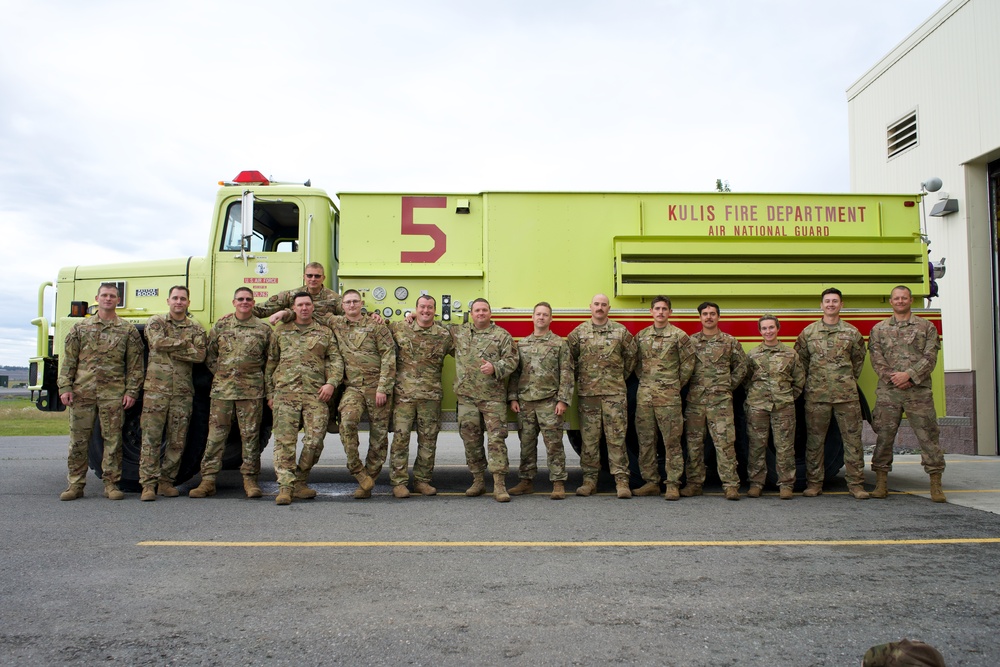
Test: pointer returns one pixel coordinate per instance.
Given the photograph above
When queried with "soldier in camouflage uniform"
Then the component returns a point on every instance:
(666, 361)
(484, 357)
(421, 347)
(304, 368)
(833, 353)
(369, 354)
(904, 351)
(237, 352)
(325, 300)
(176, 342)
(775, 378)
(720, 366)
(539, 391)
(99, 377)
(604, 354)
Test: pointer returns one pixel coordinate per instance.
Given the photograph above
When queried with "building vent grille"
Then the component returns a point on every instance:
(902, 134)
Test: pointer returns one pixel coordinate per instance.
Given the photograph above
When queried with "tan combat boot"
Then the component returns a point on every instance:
(621, 488)
(937, 493)
(284, 496)
(858, 492)
(478, 487)
(672, 493)
(362, 494)
(525, 487)
(148, 493)
(786, 493)
(813, 489)
(167, 489)
(205, 489)
(72, 493)
(112, 492)
(400, 491)
(732, 493)
(365, 482)
(647, 489)
(302, 491)
(500, 488)
(558, 491)
(424, 489)
(587, 488)
(251, 488)
(881, 485)
(691, 490)
(754, 491)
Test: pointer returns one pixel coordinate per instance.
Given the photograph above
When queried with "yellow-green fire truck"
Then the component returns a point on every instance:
(751, 253)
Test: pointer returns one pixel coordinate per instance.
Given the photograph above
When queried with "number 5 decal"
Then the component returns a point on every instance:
(410, 228)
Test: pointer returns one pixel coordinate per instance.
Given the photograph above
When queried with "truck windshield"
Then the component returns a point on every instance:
(275, 227)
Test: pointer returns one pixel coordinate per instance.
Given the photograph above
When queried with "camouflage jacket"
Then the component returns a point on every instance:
(775, 377)
(472, 348)
(604, 356)
(666, 361)
(102, 360)
(833, 357)
(327, 302)
(420, 355)
(904, 346)
(301, 359)
(544, 370)
(720, 366)
(368, 350)
(174, 347)
(237, 352)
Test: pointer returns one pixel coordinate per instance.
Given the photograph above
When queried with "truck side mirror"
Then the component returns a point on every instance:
(246, 216)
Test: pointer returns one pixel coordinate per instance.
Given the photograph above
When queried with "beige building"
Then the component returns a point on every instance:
(931, 108)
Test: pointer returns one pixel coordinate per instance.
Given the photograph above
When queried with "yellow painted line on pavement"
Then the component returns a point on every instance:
(572, 544)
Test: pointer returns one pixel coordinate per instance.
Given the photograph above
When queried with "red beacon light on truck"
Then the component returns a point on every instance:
(248, 178)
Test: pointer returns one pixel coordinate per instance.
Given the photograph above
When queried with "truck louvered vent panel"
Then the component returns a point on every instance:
(902, 134)
(682, 266)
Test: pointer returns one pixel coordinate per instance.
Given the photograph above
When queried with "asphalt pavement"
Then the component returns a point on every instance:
(451, 580)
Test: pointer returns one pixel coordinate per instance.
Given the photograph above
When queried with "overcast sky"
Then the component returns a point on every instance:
(118, 119)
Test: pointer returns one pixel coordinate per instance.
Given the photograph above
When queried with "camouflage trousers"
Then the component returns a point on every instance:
(780, 423)
(721, 423)
(541, 416)
(82, 415)
(918, 402)
(354, 404)
(290, 410)
(670, 422)
(160, 412)
(427, 415)
(848, 417)
(472, 416)
(607, 414)
(249, 412)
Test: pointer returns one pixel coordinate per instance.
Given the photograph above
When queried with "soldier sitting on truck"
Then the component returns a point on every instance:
(720, 366)
(421, 347)
(100, 377)
(325, 300)
(304, 368)
(237, 352)
(176, 342)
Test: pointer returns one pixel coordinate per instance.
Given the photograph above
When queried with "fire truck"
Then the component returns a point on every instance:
(750, 253)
